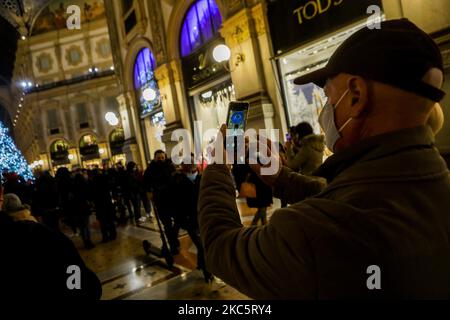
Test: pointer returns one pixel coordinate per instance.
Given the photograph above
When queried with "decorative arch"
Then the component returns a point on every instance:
(59, 150)
(201, 23)
(176, 22)
(88, 144)
(116, 140)
(133, 50)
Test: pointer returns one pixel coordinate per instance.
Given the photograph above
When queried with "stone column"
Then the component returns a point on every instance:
(169, 83)
(241, 32)
(133, 147)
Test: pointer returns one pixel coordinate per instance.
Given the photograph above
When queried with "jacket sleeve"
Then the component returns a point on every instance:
(256, 261)
(294, 187)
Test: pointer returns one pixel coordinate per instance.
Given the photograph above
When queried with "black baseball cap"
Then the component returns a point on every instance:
(398, 54)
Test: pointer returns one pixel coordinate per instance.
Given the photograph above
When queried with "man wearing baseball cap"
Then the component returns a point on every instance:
(381, 226)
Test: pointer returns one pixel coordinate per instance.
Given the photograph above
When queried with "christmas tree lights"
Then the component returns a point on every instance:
(11, 159)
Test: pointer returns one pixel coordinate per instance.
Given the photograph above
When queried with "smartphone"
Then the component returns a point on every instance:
(236, 122)
(237, 116)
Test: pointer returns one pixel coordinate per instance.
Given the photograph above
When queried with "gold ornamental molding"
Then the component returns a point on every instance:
(258, 15)
(162, 75)
(177, 70)
(70, 59)
(236, 29)
(104, 42)
(44, 62)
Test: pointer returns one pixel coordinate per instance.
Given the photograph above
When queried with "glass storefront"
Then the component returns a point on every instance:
(304, 34)
(304, 103)
(211, 108)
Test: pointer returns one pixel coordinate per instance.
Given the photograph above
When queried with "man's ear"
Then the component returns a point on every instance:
(359, 93)
(436, 119)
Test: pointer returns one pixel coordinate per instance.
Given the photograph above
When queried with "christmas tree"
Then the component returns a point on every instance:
(11, 159)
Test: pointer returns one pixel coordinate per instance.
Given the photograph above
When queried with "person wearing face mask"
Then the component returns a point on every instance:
(305, 152)
(380, 225)
(185, 185)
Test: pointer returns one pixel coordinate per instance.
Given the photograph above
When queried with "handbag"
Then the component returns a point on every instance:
(248, 189)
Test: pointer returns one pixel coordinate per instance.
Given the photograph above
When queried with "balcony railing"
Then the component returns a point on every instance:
(90, 76)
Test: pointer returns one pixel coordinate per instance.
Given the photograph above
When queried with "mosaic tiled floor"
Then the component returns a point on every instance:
(126, 272)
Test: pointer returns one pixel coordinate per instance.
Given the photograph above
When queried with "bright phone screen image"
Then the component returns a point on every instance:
(237, 117)
(236, 123)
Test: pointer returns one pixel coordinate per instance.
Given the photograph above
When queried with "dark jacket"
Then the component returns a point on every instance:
(387, 204)
(101, 194)
(309, 156)
(185, 202)
(45, 197)
(82, 196)
(37, 262)
(157, 179)
(132, 183)
(264, 197)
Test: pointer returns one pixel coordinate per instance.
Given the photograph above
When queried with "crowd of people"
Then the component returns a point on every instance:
(67, 200)
(380, 202)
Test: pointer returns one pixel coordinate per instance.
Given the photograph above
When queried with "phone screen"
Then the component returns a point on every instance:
(236, 123)
(237, 116)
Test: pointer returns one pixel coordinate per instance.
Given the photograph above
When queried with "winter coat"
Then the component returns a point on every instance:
(132, 184)
(309, 156)
(157, 179)
(184, 204)
(81, 196)
(39, 261)
(45, 197)
(101, 196)
(383, 221)
(22, 215)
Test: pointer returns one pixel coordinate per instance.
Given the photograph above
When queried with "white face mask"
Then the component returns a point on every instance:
(328, 123)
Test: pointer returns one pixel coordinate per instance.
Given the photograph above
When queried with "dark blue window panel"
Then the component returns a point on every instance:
(144, 78)
(143, 67)
(202, 22)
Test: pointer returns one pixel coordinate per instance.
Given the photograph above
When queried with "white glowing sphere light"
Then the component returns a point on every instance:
(221, 53)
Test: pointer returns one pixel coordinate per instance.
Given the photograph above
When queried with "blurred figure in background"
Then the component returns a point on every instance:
(104, 207)
(45, 201)
(82, 208)
(31, 246)
(132, 192)
(157, 179)
(305, 150)
(185, 184)
(64, 182)
(261, 195)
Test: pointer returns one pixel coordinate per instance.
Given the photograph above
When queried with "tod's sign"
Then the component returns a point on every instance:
(293, 22)
(313, 8)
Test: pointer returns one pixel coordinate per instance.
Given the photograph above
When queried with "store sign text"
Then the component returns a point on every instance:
(313, 8)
